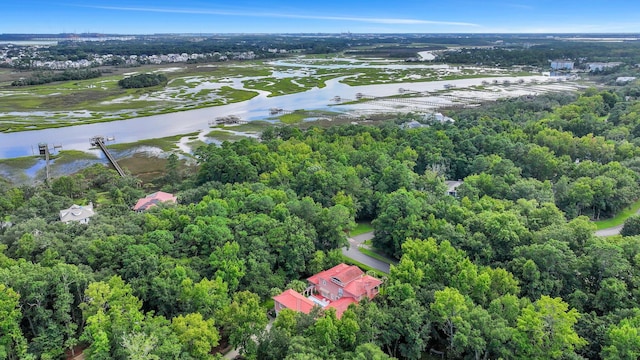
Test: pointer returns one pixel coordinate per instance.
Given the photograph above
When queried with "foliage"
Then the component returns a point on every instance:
(631, 226)
(40, 78)
(142, 81)
(508, 268)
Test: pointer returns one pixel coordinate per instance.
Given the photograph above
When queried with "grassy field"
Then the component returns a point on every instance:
(378, 256)
(619, 218)
(361, 228)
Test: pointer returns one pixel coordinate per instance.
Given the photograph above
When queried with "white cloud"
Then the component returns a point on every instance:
(519, 6)
(394, 21)
(568, 28)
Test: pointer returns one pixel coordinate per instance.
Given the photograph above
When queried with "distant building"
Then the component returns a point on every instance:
(599, 66)
(336, 288)
(77, 213)
(625, 79)
(412, 125)
(452, 186)
(562, 65)
(438, 117)
(152, 200)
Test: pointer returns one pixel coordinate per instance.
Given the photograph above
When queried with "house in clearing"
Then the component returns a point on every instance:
(336, 288)
(452, 186)
(77, 213)
(152, 200)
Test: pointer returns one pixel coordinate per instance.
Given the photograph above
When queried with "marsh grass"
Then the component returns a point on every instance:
(21, 163)
(223, 135)
(165, 144)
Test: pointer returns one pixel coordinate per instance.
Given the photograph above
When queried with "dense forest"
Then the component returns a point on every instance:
(45, 77)
(142, 81)
(540, 53)
(319, 44)
(487, 50)
(508, 268)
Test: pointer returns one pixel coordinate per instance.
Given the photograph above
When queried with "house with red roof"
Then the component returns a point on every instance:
(336, 288)
(153, 199)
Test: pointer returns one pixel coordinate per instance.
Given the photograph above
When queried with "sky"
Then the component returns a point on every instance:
(326, 16)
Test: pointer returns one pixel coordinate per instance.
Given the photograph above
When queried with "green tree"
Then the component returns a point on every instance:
(244, 319)
(545, 330)
(112, 312)
(207, 297)
(13, 345)
(448, 309)
(623, 340)
(405, 328)
(139, 346)
(631, 226)
(368, 351)
(226, 263)
(196, 334)
(400, 218)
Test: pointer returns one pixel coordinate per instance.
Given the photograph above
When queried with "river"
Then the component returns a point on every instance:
(24, 143)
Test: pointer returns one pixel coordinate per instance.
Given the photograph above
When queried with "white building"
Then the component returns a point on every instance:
(562, 65)
(77, 213)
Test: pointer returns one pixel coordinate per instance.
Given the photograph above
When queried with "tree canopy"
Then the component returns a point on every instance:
(507, 268)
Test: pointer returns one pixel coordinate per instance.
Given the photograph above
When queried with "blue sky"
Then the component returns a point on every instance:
(329, 16)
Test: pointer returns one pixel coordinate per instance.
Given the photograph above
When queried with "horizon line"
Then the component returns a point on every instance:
(327, 33)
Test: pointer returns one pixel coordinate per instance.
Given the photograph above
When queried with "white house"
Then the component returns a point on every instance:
(77, 213)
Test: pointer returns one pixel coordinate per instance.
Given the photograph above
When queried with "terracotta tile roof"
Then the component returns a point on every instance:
(349, 274)
(343, 272)
(153, 199)
(354, 283)
(294, 301)
(341, 305)
(362, 285)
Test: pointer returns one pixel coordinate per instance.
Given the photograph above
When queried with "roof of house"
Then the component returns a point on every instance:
(294, 301)
(412, 125)
(353, 280)
(153, 199)
(624, 79)
(77, 213)
(343, 272)
(452, 184)
(362, 285)
(341, 305)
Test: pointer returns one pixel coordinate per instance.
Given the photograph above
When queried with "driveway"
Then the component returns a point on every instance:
(609, 231)
(353, 253)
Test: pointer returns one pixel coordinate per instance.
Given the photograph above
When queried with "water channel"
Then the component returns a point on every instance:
(20, 144)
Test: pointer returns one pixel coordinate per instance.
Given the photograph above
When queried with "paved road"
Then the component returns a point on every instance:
(612, 230)
(356, 255)
(609, 231)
